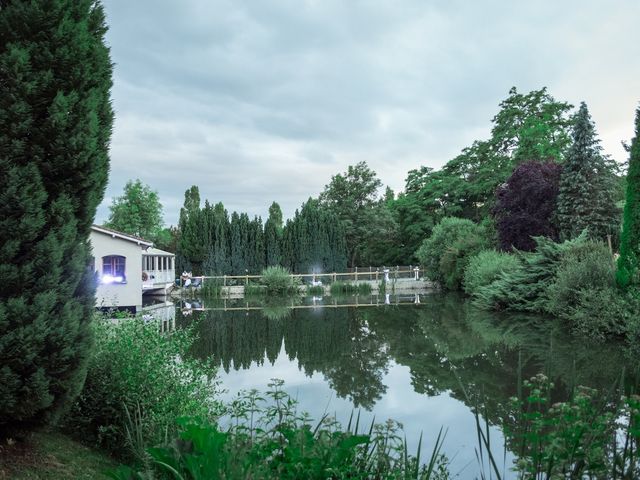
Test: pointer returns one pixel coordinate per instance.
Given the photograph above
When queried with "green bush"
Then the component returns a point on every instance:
(526, 288)
(277, 280)
(586, 266)
(456, 258)
(268, 438)
(138, 382)
(485, 267)
(600, 313)
(445, 253)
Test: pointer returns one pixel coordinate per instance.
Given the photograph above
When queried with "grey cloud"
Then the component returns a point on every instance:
(257, 101)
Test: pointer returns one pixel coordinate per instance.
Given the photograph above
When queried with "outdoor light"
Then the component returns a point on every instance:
(108, 279)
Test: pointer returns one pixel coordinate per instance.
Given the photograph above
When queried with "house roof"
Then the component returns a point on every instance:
(123, 236)
(157, 251)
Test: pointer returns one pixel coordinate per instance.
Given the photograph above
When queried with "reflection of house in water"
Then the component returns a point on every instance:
(128, 267)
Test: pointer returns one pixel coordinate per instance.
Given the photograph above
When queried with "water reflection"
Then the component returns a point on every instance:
(450, 350)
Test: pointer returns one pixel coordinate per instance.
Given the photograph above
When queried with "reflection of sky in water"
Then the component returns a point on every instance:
(418, 413)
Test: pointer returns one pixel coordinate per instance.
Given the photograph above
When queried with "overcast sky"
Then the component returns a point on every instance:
(255, 101)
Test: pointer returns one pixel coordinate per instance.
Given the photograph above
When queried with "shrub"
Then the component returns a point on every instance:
(586, 266)
(485, 267)
(525, 288)
(444, 254)
(278, 280)
(456, 258)
(603, 312)
(138, 379)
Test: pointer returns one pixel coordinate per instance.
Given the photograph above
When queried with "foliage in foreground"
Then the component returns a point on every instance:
(138, 383)
(629, 261)
(55, 126)
(267, 438)
(580, 438)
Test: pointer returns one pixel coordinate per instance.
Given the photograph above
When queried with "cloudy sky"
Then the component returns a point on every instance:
(261, 100)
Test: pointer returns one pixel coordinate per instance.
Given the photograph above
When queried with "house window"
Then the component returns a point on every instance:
(113, 269)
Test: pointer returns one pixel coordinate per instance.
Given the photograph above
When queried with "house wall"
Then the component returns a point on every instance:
(118, 294)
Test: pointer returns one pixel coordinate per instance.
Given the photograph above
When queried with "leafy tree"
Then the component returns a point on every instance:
(532, 126)
(629, 261)
(585, 198)
(55, 128)
(137, 212)
(526, 204)
(350, 195)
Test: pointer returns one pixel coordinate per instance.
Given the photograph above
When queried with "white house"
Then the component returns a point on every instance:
(128, 266)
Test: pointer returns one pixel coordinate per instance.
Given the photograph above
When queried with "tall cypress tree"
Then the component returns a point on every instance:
(273, 236)
(629, 262)
(585, 198)
(55, 128)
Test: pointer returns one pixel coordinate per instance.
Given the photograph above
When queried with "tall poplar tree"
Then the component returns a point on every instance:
(629, 262)
(273, 235)
(585, 197)
(55, 128)
(191, 251)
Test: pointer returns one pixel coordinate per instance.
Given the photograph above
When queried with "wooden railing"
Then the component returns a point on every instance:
(358, 274)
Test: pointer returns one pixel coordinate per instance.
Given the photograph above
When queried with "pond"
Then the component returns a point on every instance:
(424, 360)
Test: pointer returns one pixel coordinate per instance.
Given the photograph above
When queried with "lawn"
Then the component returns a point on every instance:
(51, 456)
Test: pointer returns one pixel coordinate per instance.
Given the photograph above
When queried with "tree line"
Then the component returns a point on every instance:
(212, 242)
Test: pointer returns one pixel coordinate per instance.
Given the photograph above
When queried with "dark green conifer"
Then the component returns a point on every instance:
(585, 198)
(55, 128)
(273, 236)
(629, 262)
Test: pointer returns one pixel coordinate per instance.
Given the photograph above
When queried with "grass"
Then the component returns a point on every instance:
(51, 456)
(345, 288)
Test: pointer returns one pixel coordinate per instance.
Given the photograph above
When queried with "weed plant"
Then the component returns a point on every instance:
(268, 438)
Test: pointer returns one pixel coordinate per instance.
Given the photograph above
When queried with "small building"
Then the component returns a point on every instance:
(122, 262)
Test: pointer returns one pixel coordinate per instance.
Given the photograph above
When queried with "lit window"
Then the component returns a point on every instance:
(113, 269)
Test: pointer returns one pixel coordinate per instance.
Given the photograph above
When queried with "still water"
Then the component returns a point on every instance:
(426, 361)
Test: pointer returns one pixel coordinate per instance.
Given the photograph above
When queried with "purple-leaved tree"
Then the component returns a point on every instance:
(525, 205)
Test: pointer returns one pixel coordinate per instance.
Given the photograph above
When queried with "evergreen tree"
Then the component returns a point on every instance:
(314, 240)
(629, 261)
(55, 127)
(585, 198)
(273, 235)
(191, 249)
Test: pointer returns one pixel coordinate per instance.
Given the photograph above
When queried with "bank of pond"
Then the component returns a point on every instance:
(470, 392)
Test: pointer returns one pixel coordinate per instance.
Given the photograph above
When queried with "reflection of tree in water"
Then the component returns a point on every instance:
(480, 358)
(335, 342)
